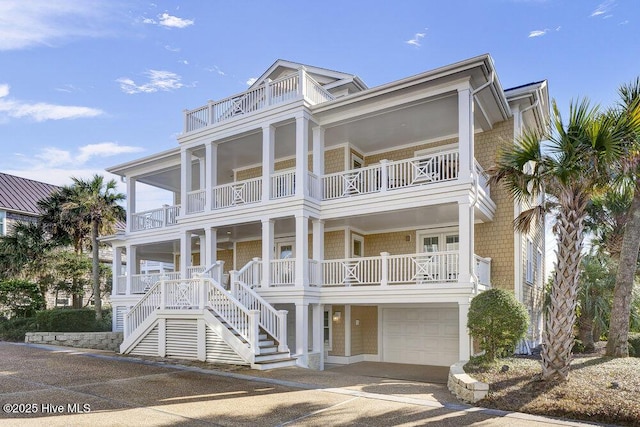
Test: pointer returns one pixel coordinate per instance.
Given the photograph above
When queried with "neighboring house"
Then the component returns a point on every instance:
(19, 199)
(357, 221)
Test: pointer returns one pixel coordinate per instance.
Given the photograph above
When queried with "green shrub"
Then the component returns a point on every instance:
(497, 321)
(15, 328)
(634, 344)
(66, 320)
(20, 297)
(578, 346)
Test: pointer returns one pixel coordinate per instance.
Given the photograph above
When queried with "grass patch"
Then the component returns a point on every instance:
(599, 389)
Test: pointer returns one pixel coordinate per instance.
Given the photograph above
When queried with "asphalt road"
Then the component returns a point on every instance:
(56, 386)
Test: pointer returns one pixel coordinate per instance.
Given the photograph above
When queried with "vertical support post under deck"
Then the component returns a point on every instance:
(302, 250)
(268, 160)
(302, 332)
(463, 333)
(302, 155)
(465, 134)
(267, 251)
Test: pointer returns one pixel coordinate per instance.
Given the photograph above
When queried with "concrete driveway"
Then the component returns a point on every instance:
(56, 386)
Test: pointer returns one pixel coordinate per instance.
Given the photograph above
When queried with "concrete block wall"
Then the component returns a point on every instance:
(464, 386)
(96, 340)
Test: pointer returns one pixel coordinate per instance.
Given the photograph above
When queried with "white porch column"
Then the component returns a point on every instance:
(267, 251)
(302, 155)
(318, 248)
(347, 330)
(302, 332)
(185, 253)
(210, 246)
(131, 201)
(463, 333)
(268, 159)
(116, 269)
(302, 250)
(202, 170)
(318, 158)
(467, 238)
(317, 323)
(465, 133)
(186, 172)
(211, 170)
(132, 267)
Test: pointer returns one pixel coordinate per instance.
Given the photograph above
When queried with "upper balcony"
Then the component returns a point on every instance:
(416, 173)
(285, 89)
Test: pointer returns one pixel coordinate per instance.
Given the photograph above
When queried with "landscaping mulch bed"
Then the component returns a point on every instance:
(599, 389)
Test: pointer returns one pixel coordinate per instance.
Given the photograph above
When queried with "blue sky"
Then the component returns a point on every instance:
(88, 84)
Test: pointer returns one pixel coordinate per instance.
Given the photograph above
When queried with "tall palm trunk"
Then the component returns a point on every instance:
(617, 345)
(96, 269)
(558, 334)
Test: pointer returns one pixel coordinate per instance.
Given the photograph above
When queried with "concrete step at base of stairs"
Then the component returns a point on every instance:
(283, 363)
(282, 355)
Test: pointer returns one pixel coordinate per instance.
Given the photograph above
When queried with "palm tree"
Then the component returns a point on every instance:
(97, 202)
(569, 171)
(65, 226)
(594, 297)
(23, 253)
(617, 344)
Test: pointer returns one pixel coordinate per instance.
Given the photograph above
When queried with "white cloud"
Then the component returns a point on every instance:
(159, 80)
(53, 157)
(172, 49)
(218, 70)
(625, 22)
(538, 33)
(41, 111)
(604, 8)
(167, 20)
(415, 41)
(25, 24)
(251, 81)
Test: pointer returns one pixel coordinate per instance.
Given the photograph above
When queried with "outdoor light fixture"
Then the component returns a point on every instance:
(337, 315)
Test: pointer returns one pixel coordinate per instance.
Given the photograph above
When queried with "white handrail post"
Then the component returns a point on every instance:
(201, 290)
(126, 323)
(384, 266)
(282, 330)
(254, 331)
(219, 273)
(255, 273)
(163, 292)
(267, 92)
(233, 278)
(302, 82)
(384, 174)
(210, 120)
(186, 120)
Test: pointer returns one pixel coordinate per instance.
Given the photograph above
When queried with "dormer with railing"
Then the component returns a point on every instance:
(290, 87)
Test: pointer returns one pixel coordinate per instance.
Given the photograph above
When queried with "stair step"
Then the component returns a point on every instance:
(266, 343)
(284, 363)
(272, 356)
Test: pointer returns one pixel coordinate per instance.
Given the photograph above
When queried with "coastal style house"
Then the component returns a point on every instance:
(316, 220)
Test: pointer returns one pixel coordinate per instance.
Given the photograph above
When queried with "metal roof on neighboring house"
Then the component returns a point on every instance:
(22, 194)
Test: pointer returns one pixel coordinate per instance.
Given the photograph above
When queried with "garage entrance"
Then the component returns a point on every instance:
(421, 336)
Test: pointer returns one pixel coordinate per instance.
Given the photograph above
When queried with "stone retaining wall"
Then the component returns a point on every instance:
(463, 386)
(96, 340)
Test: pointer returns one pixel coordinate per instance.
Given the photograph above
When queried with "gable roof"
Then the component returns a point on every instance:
(22, 194)
(325, 76)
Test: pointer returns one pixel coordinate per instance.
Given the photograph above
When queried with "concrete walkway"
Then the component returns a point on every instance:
(58, 386)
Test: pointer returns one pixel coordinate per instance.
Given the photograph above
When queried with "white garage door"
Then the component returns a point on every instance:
(423, 336)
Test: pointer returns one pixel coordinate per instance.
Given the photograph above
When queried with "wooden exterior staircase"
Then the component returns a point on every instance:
(200, 320)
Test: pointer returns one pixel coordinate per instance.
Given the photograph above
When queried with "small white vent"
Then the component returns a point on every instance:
(120, 311)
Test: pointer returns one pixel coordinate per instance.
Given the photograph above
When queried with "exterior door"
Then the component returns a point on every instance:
(443, 264)
(284, 272)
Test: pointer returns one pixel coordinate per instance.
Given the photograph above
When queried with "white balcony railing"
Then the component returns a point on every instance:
(156, 218)
(483, 270)
(141, 283)
(424, 268)
(283, 272)
(196, 201)
(237, 193)
(290, 87)
(283, 184)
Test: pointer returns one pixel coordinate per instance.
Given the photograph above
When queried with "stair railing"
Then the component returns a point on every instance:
(243, 320)
(272, 321)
